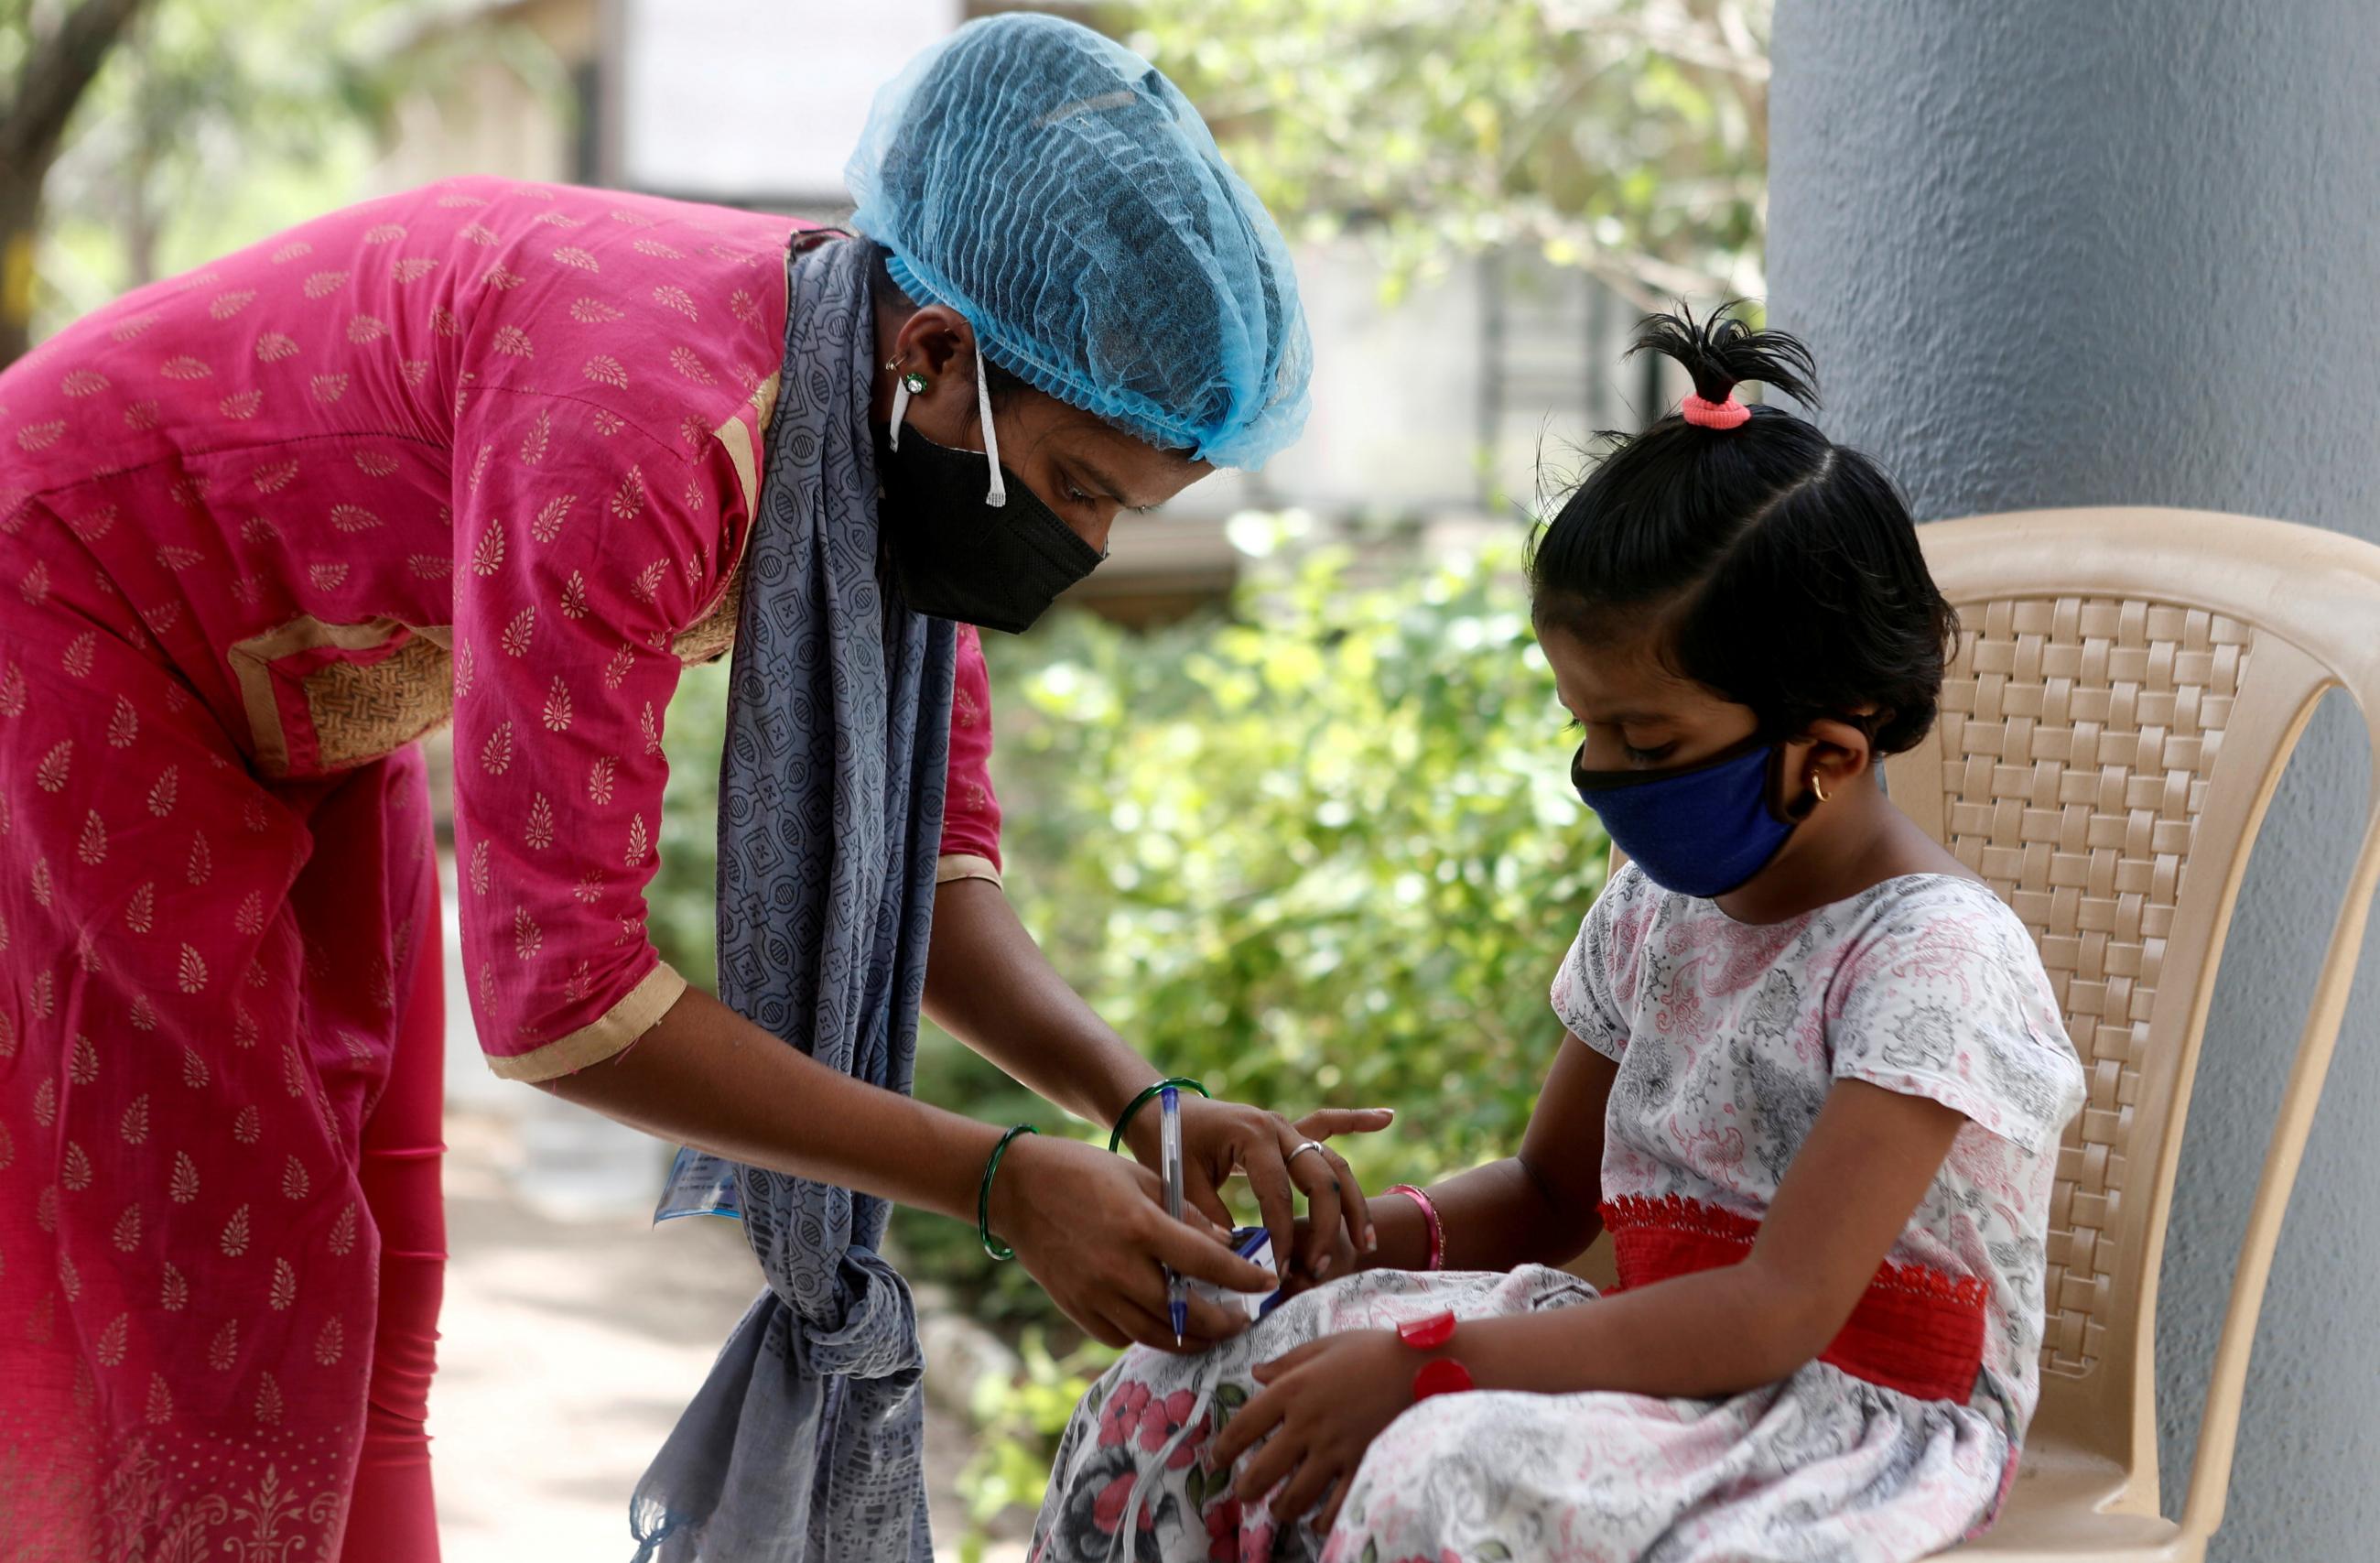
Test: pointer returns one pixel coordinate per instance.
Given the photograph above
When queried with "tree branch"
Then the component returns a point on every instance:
(56, 71)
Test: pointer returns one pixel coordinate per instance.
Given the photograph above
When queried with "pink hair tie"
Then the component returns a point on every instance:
(1706, 414)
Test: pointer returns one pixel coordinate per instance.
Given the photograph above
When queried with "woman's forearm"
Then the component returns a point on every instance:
(705, 1076)
(1089, 1226)
(989, 984)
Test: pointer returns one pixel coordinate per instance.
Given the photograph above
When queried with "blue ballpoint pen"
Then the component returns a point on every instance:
(1169, 1102)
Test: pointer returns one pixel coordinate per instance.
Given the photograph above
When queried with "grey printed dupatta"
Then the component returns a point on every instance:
(805, 1443)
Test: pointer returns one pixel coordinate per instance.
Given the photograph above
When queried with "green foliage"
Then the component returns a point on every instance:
(1629, 137)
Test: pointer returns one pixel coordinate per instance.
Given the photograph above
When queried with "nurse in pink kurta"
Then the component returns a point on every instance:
(485, 452)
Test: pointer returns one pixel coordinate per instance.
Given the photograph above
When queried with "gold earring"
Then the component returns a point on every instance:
(1818, 785)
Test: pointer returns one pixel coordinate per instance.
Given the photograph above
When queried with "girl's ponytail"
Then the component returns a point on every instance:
(1770, 563)
(1720, 352)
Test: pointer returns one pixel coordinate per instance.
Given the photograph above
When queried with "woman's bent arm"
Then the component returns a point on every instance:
(1086, 1225)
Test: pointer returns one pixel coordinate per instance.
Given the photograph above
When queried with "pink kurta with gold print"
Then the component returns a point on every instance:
(486, 452)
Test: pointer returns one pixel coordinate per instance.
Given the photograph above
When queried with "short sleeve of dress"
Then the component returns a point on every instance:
(1944, 998)
(1583, 992)
(971, 810)
(581, 546)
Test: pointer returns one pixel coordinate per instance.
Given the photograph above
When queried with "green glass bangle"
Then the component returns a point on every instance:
(1123, 1120)
(993, 1245)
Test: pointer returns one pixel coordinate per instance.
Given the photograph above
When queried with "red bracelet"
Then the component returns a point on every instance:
(1430, 1219)
(1440, 1375)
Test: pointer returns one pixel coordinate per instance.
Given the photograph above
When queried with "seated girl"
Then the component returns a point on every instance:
(1814, 1084)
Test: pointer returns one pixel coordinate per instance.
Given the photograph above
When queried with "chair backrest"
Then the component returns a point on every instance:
(2128, 685)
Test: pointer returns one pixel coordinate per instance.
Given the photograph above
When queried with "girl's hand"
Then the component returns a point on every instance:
(1092, 1229)
(1321, 1406)
(1220, 1137)
(1340, 1253)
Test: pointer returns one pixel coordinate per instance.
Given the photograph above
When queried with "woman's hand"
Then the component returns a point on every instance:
(1092, 1229)
(1219, 1138)
(1321, 1406)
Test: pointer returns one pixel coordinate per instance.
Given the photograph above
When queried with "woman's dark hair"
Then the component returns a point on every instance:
(1779, 569)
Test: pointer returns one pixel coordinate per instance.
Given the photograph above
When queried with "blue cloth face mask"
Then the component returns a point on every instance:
(1699, 830)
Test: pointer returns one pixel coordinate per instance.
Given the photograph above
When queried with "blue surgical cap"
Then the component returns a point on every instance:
(1056, 191)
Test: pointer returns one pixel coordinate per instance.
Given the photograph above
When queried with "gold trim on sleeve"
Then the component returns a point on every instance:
(708, 639)
(955, 866)
(735, 436)
(608, 1034)
(741, 441)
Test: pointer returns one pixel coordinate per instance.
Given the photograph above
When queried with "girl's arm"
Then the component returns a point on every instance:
(1540, 1207)
(1849, 1193)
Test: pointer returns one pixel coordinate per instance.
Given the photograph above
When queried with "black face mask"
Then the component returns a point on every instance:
(953, 554)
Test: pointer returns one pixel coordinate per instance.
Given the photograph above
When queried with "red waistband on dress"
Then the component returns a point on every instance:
(1915, 1329)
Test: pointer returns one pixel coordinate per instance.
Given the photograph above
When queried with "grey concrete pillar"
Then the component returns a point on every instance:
(2098, 251)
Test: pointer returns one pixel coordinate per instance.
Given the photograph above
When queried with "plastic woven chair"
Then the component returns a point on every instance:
(2128, 687)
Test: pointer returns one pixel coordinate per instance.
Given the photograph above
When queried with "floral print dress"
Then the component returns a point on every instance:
(1728, 1037)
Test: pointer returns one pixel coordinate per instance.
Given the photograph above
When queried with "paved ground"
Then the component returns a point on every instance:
(571, 1343)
